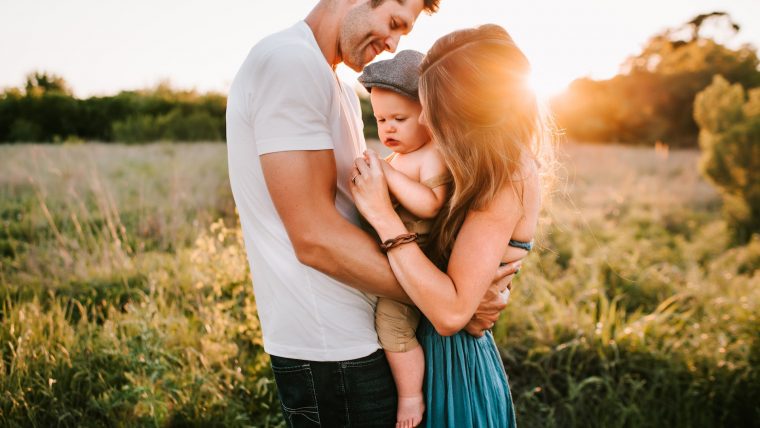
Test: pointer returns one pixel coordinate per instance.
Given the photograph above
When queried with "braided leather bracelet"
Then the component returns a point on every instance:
(399, 240)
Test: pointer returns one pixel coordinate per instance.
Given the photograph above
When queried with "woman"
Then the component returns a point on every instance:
(489, 128)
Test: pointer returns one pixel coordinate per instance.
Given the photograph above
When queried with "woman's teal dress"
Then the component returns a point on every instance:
(465, 382)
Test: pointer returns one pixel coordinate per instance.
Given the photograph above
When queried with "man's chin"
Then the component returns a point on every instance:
(355, 67)
(359, 61)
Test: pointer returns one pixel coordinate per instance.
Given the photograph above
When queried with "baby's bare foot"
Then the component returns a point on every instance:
(410, 410)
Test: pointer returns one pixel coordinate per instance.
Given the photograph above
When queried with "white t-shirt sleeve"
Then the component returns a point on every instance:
(294, 103)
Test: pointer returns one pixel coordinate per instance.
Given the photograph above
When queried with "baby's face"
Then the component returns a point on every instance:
(397, 121)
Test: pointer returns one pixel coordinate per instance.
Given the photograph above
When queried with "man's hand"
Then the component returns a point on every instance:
(494, 301)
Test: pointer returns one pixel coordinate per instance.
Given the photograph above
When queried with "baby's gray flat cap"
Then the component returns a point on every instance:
(400, 74)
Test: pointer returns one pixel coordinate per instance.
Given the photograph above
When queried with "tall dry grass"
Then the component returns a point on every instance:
(126, 298)
(634, 311)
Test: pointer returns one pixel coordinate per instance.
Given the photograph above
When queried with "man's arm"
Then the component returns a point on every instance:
(302, 185)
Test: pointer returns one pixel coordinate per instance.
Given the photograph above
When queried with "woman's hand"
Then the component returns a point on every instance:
(369, 188)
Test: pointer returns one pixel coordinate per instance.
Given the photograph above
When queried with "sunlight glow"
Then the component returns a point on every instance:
(561, 39)
(546, 86)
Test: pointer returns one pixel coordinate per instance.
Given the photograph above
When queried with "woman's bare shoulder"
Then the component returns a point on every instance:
(520, 196)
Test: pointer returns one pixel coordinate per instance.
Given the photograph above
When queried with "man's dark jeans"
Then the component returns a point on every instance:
(355, 393)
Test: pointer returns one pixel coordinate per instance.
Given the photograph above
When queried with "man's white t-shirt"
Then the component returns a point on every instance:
(286, 97)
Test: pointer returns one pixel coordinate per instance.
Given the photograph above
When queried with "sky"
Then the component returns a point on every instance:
(101, 47)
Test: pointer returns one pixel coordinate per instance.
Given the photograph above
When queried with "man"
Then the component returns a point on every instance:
(293, 131)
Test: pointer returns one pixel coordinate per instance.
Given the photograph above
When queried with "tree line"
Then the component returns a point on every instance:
(45, 110)
(652, 98)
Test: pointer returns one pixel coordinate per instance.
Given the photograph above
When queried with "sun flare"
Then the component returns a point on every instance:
(546, 86)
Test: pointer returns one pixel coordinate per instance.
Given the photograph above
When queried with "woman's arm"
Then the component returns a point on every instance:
(448, 299)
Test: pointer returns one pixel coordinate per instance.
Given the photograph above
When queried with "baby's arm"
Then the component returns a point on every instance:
(417, 198)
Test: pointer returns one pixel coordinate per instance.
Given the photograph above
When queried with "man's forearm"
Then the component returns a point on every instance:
(348, 254)
(302, 185)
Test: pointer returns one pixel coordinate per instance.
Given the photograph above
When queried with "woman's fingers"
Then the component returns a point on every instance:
(354, 175)
(373, 160)
(369, 188)
(361, 165)
(369, 172)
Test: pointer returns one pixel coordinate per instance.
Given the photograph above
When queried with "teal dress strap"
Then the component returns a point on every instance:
(527, 246)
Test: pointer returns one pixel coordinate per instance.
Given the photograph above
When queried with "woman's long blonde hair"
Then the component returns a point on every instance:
(485, 119)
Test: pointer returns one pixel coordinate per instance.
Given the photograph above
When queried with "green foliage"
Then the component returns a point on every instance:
(47, 112)
(653, 100)
(730, 141)
(368, 117)
(40, 83)
(24, 130)
(100, 323)
(173, 126)
(125, 296)
(579, 355)
(135, 129)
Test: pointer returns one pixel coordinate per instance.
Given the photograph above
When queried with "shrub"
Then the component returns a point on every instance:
(730, 140)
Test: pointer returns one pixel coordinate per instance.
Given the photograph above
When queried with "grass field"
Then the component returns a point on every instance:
(126, 296)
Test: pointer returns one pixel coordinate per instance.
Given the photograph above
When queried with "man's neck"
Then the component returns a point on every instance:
(325, 21)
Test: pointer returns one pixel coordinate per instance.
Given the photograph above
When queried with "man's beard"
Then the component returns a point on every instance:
(355, 56)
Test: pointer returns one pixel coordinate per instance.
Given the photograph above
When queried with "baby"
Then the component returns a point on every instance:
(418, 181)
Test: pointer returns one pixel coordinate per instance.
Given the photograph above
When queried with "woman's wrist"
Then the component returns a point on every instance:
(404, 238)
(389, 227)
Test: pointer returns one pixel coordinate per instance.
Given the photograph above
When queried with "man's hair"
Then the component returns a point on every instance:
(431, 6)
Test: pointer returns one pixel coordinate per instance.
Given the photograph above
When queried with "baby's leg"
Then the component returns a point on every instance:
(408, 370)
(396, 324)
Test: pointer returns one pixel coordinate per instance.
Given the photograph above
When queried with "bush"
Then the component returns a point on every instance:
(197, 126)
(136, 129)
(730, 141)
(173, 126)
(25, 131)
(45, 111)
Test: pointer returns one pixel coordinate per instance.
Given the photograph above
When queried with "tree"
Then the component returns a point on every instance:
(729, 136)
(41, 83)
(653, 97)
